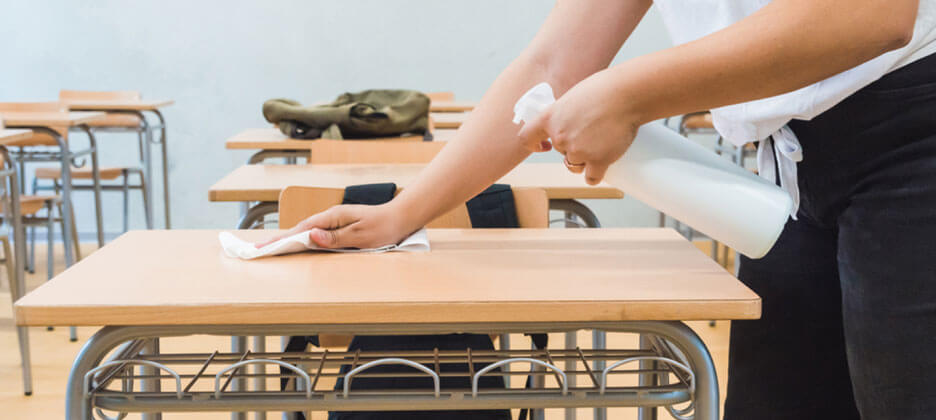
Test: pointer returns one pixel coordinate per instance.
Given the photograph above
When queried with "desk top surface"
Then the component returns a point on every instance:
(273, 139)
(49, 119)
(13, 135)
(484, 275)
(264, 182)
(452, 106)
(141, 105)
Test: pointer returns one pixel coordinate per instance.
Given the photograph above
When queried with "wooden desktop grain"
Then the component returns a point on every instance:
(482, 275)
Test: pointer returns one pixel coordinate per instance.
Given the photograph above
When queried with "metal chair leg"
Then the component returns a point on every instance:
(31, 258)
(50, 241)
(147, 210)
(126, 200)
(74, 233)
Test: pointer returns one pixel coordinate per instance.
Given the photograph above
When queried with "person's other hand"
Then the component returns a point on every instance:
(350, 226)
(590, 125)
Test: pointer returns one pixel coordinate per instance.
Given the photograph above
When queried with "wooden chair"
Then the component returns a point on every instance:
(112, 122)
(441, 96)
(298, 203)
(373, 151)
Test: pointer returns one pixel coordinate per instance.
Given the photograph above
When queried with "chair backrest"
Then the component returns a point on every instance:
(441, 96)
(37, 138)
(297, 203)
(90, 95)
(373, 151)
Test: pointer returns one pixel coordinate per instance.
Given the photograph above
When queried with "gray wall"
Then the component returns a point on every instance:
(221, 59)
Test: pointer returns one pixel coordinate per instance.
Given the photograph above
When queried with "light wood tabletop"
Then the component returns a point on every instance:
(452, 106)
(8, 135)
(264, 182)
(273, 139)
(449, 119)
(474, 275)
(48, 119)
(115, 105)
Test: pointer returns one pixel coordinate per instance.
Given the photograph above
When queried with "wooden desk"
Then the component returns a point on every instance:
(271, 142)
(139, 108)
(452, 106)
(470, 276)
(150, 284)
(111, 106)
(263, 183)
(48, 119)
(448, 119)
(11, 135)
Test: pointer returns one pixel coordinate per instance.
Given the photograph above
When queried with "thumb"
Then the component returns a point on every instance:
(533, 134)
(332, 238)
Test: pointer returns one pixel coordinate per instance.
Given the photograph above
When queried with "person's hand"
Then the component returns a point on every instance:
(590, 125)
(350, 226)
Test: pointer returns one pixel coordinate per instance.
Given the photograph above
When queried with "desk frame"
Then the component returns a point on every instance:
(80, 404)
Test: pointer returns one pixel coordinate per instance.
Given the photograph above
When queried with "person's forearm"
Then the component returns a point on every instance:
(485, 146)
(787, 45)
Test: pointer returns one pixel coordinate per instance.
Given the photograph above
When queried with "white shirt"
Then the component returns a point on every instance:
(688, 20)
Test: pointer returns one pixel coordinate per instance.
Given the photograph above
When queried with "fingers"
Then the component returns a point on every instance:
(351, 236)
(595, 172)
(332, 218)
(533, 135)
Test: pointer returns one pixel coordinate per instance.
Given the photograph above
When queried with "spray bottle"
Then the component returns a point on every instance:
(690, 183)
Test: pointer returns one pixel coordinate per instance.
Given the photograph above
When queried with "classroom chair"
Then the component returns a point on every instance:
(30, 208)
(115, 123)
(39, 140)
(327, 151)
(298, 203)
(441, 96)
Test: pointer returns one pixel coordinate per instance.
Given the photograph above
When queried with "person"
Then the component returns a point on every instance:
(841, 95)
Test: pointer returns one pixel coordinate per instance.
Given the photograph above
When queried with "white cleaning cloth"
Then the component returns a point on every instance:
(235, 247)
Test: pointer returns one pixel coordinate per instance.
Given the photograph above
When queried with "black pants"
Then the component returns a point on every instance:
(848, 328)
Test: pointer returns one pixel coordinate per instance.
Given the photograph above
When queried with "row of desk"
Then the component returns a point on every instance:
(491, 281)
(78, 116)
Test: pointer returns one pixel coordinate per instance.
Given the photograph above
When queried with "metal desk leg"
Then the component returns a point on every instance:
(599, 342)
(259, 346)
(68, 215)
(578, 209)
(256, 214)
(647, 413)
(238, 345)
(96, 179)
(148, 168)
(574, 208)
(18, 261)
(165, 165)
(152, 347)
(291, 156)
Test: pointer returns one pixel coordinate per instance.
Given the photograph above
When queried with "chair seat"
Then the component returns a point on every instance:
(698, 121)
(107, 172)
(31, 204)
(40, 139)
